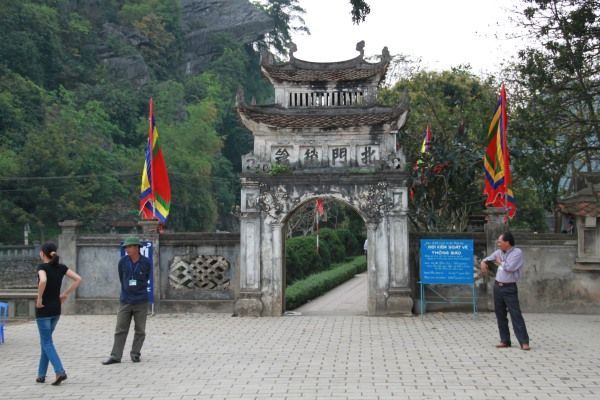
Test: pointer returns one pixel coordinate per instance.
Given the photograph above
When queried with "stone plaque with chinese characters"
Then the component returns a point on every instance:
(366, 155)
(282, 154)
(310, 156)
(339, 156)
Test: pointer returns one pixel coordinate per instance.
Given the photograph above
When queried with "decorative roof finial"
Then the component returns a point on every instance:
(292, 49)
(385, 54)
(360, 46)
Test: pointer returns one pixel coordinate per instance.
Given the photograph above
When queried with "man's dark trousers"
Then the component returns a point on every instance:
(506, 297)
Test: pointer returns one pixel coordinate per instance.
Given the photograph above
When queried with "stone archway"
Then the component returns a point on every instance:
(380, 199)
(325, 136)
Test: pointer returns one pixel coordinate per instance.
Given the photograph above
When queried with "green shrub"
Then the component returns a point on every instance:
(315, 285)
(352, 245)
(329, 238)
(302, 259)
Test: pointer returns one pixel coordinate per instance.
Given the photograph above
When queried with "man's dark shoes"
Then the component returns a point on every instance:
(502, 345)
(136, 358)
(59, 379)
(40, 379)
(110, 361)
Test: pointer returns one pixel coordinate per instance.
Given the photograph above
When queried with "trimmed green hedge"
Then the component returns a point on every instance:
(303, 260)
(317, 284)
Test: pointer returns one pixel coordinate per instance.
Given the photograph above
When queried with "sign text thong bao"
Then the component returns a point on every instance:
(447, 261)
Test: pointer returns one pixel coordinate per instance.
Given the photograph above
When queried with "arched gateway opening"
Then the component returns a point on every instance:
(334, 142)
(320, 234)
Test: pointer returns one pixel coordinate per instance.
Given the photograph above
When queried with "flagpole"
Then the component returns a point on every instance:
(318, 211)
(151, 139)
(505, 146)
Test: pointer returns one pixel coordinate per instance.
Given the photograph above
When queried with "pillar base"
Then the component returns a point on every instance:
(399, 302)
(248, 305)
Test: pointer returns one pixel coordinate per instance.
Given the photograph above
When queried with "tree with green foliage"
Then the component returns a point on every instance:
(556, 95)
(448, 181)
(73, 131)
(360, 10)
(287, 18)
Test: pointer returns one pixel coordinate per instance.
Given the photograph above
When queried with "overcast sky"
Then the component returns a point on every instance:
(441, 33)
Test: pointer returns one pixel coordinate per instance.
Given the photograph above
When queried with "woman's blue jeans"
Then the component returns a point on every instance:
(46, 327)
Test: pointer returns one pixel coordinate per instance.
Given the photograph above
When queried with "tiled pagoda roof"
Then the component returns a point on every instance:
(320, 117)
(584, 203)
(300, 71)
(320, 75)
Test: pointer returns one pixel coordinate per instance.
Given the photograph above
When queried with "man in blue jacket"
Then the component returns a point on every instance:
(134, 273)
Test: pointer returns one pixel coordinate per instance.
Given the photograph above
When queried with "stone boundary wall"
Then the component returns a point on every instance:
(209, 285)
(550, 280)
(199, 272)
(19, 251)
(18, 279)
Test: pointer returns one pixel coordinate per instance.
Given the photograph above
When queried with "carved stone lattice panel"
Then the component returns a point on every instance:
(203, 272)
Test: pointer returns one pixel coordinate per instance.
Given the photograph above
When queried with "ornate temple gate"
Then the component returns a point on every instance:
(324, 137)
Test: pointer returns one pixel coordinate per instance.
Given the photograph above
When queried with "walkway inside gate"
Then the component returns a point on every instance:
(350, 298)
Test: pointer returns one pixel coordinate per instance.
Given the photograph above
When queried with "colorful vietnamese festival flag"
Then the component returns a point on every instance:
(155, 192)
(496, 162)
(425, 146)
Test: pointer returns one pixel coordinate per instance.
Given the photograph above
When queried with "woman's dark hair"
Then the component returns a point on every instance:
(49, 250)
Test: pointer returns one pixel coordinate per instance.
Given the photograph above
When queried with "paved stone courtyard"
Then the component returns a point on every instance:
(216, 356)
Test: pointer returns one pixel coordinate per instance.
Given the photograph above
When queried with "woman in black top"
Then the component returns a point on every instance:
(47, 308)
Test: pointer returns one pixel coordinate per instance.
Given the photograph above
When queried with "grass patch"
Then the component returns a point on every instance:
(315, 285)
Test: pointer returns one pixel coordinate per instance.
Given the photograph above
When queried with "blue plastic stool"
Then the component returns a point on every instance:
(3, 318)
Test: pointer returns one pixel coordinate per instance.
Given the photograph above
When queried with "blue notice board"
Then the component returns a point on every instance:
(447, 261)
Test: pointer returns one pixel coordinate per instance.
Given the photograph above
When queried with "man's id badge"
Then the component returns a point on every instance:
(132, 282)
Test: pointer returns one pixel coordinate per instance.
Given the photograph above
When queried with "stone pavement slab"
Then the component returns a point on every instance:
(216, 356)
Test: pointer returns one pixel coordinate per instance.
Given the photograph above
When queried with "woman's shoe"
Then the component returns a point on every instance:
(40, 379)
(59, 379)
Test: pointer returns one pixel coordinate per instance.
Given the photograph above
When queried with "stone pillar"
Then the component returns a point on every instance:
(383, 263)
(249, 302)
(399, 301)
(150, 233)
(371, 268)
(277, 284)
(494, 227)
(67, 251)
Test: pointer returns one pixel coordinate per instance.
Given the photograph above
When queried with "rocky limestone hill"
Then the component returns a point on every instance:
(201, 21)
